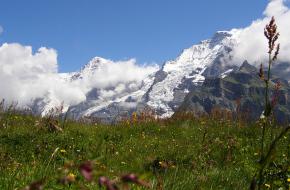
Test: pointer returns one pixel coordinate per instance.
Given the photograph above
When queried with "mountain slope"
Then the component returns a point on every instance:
(176, 78)
(112, 99)
(242, 91)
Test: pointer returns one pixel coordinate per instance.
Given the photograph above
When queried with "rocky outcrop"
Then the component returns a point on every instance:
(241, 91)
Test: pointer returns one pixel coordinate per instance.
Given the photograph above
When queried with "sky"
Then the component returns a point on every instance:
(41, 39)
(151, 31)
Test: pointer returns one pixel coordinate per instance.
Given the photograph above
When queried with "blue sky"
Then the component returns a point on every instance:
(148, 30)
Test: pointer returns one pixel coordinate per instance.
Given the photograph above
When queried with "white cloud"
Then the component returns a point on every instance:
(252, 43)
(275, 8)
(25, 76)
(111, 74)
(114, 79)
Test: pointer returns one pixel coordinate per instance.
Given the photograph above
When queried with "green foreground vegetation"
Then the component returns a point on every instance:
(184, 153)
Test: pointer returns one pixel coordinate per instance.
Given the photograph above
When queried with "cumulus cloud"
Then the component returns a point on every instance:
(275, 8)
(113, 79)
(252, 45)
(26, 76)
(107, 73)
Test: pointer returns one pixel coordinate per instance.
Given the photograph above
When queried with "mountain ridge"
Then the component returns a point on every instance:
(163, 89)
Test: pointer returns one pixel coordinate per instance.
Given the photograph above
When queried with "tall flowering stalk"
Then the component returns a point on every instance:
(272, 36)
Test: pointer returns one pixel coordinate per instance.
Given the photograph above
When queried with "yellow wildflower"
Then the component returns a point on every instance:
(267, 185)
(63, 151)
(134, 117)
(288, 180)
(71, 177)
(128, 123)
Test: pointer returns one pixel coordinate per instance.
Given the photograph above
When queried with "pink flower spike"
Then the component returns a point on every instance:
(86, 170)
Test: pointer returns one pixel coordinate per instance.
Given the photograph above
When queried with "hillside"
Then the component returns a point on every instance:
(241, 91)
(182, 153)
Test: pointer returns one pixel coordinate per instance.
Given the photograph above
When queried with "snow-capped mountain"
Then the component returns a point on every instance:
(163, 90)
(106, 97)
(176, 78)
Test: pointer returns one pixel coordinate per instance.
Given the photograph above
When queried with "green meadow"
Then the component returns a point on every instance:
(179, 153)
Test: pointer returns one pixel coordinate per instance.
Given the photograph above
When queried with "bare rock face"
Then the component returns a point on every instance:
(243, 91)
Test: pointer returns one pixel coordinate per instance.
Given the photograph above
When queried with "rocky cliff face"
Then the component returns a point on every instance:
(240, 91)
(176, 78)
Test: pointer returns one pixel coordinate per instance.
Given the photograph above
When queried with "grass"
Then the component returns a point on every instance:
(184, 153)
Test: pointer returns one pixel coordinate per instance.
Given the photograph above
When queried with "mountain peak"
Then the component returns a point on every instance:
(248, 68)
(95, 63)
(220, 35)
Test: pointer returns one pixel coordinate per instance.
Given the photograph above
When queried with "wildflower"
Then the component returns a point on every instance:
(86, 170)
(128, 123)
(134, 117)
(262, 116)
(288, 180)
(106, 182)
(272, 35)
(71, 177)
(278, 85)
(267, 185)
(63, 151)
(132, 178)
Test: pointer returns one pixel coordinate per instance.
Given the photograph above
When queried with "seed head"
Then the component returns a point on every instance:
(276, 52)
(271, 34)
